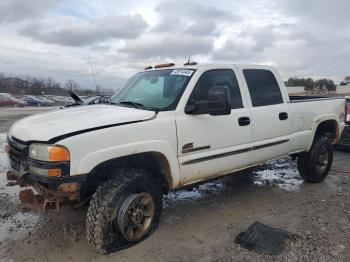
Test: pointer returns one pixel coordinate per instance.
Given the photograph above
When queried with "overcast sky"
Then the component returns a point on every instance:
(55, 37)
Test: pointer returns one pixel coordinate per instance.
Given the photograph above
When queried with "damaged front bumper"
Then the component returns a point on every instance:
(45, 190)
(42, 193)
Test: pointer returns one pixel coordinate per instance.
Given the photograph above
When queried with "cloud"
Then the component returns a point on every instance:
(167, 46)
(192, 10)
(321, 12)
(170, 25)
(249, 44)
(82, 33)
(192, 17)
(203, 28)
(301, 38)
(18, 10)
(60, 63)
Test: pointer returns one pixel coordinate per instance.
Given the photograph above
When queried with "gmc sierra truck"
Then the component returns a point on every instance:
(169, 127)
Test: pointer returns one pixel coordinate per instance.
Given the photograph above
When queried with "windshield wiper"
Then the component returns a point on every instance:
(133, 104)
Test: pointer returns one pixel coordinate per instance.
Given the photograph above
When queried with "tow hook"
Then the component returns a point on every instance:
(40, 198)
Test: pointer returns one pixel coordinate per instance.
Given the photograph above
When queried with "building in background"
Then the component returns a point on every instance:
(343, 89)
(296, 90)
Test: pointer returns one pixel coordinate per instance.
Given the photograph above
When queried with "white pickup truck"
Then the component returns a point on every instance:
(168, 128)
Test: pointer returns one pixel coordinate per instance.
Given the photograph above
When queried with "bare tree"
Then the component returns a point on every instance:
(98, 89)
(71, 85)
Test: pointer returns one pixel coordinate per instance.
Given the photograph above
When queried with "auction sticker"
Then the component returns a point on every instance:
(181, 72)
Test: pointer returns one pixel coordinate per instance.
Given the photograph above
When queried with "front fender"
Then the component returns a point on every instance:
(93, 159)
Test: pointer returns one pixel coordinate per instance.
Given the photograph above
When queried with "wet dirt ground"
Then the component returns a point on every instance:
(197, 225)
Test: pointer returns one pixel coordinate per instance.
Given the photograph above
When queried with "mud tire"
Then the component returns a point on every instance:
(102, 231)
(308, 161)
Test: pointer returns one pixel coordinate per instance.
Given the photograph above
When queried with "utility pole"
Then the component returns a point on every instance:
(93, 74)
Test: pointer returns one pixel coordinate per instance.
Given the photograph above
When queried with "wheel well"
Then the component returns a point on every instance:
(330, 129)
(154, 162)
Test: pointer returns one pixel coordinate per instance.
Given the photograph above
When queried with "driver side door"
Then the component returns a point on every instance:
(210, 146)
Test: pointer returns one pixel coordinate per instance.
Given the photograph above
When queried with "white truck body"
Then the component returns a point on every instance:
(168, 128)
(194, 147)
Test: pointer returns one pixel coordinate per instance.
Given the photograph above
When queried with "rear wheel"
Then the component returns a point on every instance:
(123, 211)
(314, 165)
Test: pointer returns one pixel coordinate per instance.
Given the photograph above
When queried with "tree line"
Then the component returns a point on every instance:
(24, 85)
(311, 84)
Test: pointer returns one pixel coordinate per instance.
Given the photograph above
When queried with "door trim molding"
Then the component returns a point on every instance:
(235, 152)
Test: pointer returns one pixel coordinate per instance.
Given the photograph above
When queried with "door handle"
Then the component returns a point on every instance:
(244, 121)
(283, 116)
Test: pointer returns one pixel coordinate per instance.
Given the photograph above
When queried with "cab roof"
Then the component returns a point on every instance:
(207, 65)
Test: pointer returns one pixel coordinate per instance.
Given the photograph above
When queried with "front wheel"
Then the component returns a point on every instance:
(314, 165)
(123, 211)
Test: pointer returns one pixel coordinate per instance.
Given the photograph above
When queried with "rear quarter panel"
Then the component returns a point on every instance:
(307, 115)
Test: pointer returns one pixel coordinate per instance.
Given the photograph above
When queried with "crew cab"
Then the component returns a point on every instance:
(169, 127)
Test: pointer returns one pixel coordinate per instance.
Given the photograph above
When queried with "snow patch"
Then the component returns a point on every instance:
(281, 173)
(197, 193)
(3, 158)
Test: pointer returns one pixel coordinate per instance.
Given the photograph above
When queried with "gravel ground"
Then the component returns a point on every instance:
(198, 225)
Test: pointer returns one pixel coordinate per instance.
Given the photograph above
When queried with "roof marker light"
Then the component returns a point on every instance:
(164, 65)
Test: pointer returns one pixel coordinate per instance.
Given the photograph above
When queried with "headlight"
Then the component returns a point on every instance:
(50, 153)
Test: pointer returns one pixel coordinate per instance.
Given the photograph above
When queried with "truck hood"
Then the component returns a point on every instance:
(50, 125)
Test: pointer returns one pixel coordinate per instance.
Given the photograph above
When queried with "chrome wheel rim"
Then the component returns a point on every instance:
(135, 216)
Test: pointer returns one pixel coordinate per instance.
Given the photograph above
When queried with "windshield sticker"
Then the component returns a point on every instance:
(182, 72)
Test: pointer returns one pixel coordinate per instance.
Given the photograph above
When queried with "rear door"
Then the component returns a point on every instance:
(210, 146)
(271, 116)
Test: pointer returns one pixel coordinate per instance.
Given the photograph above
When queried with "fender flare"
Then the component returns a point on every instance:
(317, 122)
(93, 159)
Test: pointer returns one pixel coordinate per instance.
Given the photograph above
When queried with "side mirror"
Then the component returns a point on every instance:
(218, 103)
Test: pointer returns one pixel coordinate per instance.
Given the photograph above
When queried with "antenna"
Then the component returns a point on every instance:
(189, 63)
(93, 74)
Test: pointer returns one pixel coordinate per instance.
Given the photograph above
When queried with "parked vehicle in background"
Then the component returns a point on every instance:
(60, 100)
(91, 100)
(94, 100)
(8, 100)
(46, 101)
(169, 128)
(32, 101)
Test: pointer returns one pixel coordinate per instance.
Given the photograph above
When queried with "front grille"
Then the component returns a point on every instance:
(17, 154)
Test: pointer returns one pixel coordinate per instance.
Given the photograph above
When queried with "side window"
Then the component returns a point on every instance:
(263, 87)
(217, 77)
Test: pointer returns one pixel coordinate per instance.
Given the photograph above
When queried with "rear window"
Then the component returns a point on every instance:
(263, 87)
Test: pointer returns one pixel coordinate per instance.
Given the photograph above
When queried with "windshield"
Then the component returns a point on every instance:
(154, 90)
